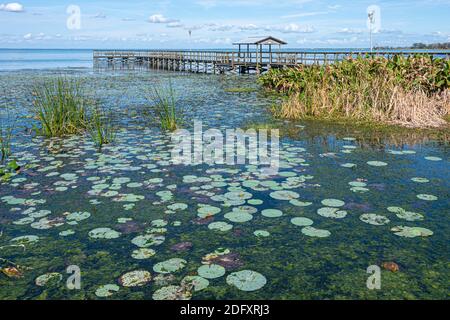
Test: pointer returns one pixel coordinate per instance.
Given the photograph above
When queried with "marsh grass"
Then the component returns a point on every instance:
(60, 107)
(410, 92)
(5, 143)
(100, 127)
(5, 134)
(240, 90)
(163, 105)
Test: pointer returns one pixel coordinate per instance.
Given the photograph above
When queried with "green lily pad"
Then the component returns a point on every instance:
(427, 197)
(261, 233)
(136, 278)
(143, 253)
(247, 280)
(411, 232)
(107, 290)
(238, 216)
(302, 222)
(272, 213)
(172, 293)
(198, 283)
(374, 219)
(211, 271)
(333, 213)
(104, 233)
(170, 266)
(220, 226)
(48, 278)
(313, 232)
(284, 195)
(333, 203)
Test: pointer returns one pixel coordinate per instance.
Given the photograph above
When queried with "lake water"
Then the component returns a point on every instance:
(345, 199)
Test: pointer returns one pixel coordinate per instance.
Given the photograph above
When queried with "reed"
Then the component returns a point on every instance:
(5, 134)
(406, 91)
(163, 104)
(100, 127)
(60, 107)
(5, 142)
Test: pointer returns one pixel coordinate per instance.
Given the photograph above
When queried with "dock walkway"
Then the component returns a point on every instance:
(228, 61)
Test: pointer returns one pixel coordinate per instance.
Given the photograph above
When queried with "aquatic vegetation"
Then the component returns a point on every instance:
(172, 293)
(100, 127)
(377, 89)
(64, 188)
(247, 280)
(240, 90)
(196, 282)
(48, 279)
(302, 222)
(374, 219)
(313, 232)
(411, 232)
(60, 107)
(334, 213)
(104, 233)
(107, 290)
(5, 142)
(163, 102)
(170, 266)
(136, 278)
(211, 271)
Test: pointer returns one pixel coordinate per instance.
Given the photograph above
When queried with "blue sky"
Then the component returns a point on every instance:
(217, 23)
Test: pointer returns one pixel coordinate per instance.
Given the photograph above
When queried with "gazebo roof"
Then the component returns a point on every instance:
(268, 40)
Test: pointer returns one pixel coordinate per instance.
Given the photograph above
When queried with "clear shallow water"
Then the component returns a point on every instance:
(67, 176)
(18, 59)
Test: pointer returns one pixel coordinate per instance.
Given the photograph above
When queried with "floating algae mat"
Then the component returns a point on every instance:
(140, 227)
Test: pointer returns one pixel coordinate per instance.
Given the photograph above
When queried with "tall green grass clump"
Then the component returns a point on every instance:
(100, 127)
(5, 142)
(5, 134)
(60, 107)
(163, 104)
(412, 91)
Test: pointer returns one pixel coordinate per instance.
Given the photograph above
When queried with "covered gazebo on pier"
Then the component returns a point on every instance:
(254, 46)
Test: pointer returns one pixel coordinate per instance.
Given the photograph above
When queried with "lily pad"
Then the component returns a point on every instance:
(104, 233)
(107, 290)
(313, 232)
(247, 280)
(211, 271)
(48, 278)
(272, 213)
(170, 266)
(374, 219)
(302, 222)
(136, 278)
(411, 232)
(172, 293)
(220, 226)
(333, 203)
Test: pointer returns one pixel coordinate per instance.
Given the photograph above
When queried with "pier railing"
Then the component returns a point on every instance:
(234, 60)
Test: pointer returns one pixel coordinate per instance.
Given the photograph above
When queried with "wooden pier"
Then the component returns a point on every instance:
(218, 62)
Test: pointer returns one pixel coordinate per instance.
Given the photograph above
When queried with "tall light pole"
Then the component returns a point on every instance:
(371, 15)
(190, 39)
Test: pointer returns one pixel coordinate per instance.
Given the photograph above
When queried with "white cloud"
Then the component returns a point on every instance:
(12, 7)
(159, 18)
(349, 31)
(294, 28)
(28, 36)
(175, 25)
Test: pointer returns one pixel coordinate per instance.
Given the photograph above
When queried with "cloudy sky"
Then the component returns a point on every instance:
(217, 23)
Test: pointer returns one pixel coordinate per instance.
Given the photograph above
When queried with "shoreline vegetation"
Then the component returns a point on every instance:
(410, 92)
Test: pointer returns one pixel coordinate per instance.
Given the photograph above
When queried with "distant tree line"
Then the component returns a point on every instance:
(419, 45)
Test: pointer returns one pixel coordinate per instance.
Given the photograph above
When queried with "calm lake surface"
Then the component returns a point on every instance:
(345, 199)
